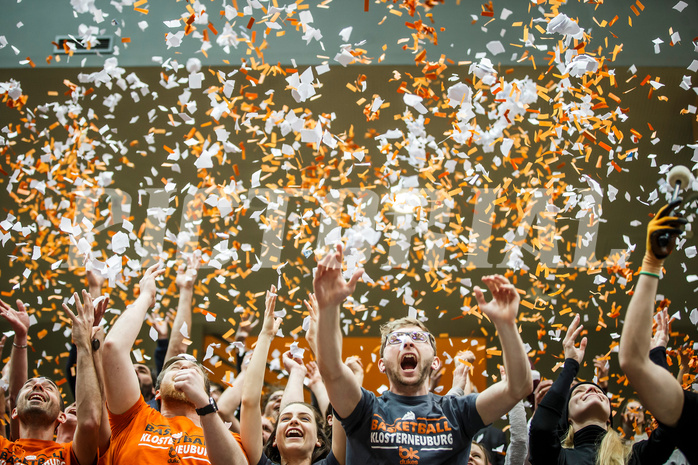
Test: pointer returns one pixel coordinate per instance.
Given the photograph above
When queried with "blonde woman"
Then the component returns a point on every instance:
(586, 411)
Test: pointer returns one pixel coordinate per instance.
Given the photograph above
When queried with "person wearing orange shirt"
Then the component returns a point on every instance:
(38, 408)
(188, 429)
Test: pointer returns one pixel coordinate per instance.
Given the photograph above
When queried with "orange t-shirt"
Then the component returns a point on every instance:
(36, 452)
(144, 435)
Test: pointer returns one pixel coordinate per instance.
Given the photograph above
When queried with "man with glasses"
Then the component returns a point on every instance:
(407, 424)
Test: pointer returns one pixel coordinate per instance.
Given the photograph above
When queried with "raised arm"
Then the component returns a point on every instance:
(121, 386)
(19, 321)
(162, 328)
(317, 386)
(315, 382)
(498, 399)
(186, 277)
(339, 436)
(462, 384)
(104, 427)
(331, 290)
(88, 396)
(517, 451)
(95, 281)
(311, 333)
(544, 441)
(230, 400)
(296, 375)
(250, 413)
(657, 389)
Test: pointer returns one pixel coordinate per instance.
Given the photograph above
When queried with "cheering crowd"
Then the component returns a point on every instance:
(126, 412)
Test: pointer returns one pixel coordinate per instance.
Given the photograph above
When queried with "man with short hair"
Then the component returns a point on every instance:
(146, 383)
(188, 430)
(407, 424)
(39, 405)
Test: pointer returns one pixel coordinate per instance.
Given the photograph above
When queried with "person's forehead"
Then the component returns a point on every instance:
(40, 380)
(298, 409)
(183, 363)
(408, 329)
(142, 368)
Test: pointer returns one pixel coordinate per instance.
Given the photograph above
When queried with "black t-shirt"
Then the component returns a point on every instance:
(411, 430)
(329, 460)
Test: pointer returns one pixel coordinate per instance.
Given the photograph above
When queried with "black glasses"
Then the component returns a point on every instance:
(398, 337)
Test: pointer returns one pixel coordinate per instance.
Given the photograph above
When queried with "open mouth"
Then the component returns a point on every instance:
(294, 433)
(37, 397)
(408, 362)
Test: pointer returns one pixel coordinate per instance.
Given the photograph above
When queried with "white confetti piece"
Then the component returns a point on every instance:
(495, 47)
(680, 6)
(120, 242)
(345, 33)
(296, 352)
(562, 24)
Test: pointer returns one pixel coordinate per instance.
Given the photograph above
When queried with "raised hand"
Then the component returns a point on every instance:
(271, 325)
(95, 281)
(661, 336)
(83, 321)
(291, 363)
(18, 319)
(161, 325)
(190, 381)
(101, 304)
(540, 391)
(313, 374)
(663, 230)
(504, 305)
(356, 367)
(147, 284)
(331, 289)
(467, 355)
(186, 273)
(571, 351)
(311, 334)
(460, 373)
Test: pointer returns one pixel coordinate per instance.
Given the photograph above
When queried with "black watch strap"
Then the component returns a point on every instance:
(210, 408)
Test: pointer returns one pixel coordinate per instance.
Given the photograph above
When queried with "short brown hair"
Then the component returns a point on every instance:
(393, 325)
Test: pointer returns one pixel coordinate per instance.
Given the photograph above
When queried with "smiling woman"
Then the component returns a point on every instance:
(299, 433)
(585, 411)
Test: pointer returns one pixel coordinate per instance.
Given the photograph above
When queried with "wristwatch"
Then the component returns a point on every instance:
(210, 408)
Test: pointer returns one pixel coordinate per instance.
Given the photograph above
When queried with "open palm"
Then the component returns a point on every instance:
(504, 305)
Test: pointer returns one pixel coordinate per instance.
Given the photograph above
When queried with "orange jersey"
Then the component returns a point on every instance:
(36, 452)
(143, 435)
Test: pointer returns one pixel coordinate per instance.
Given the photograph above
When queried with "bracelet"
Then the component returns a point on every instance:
(20, 347)
(655, 275)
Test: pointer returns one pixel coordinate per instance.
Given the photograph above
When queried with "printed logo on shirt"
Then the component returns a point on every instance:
(178, 445)
(6, 457)
(411, 436)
